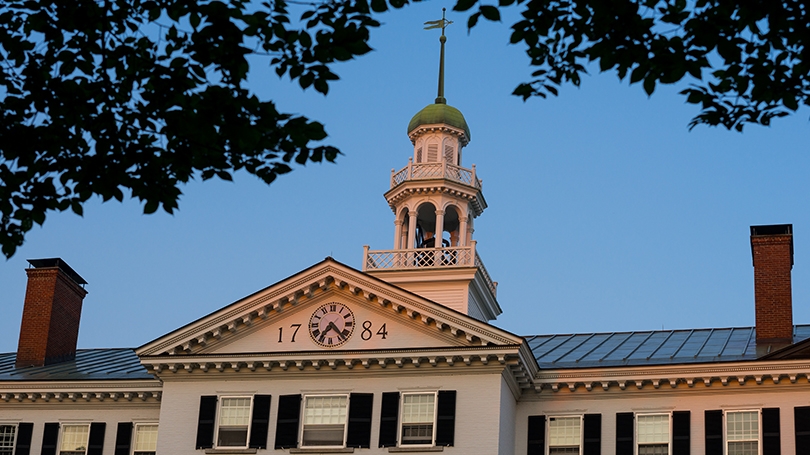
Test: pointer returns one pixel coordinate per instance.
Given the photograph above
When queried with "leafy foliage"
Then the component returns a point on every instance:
(749, 61)
(105, 97)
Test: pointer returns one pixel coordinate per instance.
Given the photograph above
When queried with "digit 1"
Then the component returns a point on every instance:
(279, 334)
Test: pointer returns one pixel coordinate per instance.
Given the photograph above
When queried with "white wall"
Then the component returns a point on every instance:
(478, 399)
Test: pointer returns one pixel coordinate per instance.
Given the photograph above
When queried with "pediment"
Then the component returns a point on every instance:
(384, 317)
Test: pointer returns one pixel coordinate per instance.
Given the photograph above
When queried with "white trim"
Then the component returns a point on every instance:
(302, 418)
(564, 416)
(134, 439)
(637, 443)
(220, 398)
(73, 424)
(758, 412)
(400, 422)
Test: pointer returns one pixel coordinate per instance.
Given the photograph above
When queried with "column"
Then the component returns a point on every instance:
(397, 233)
(411, 229)
(462, 232)
(439, 234)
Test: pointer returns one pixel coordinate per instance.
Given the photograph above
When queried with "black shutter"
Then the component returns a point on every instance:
(22, 445)
(359, 432)
(681, 431)
(771, 440)
(389, 415)
(713, 424)
(95, 442)
(624, 433)
(205, 422)
(123, 438)
(50, 436)
(592, 441)
(801, 421)
(289, 411)
(259, 422)
(536, 445)
(446, 418)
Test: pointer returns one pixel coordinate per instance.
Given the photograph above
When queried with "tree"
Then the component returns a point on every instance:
(103, 97)
(749, 61)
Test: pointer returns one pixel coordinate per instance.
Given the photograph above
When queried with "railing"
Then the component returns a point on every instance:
(427, 171)
(427, 258)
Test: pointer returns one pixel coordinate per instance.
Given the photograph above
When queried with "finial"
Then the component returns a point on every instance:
(442, 23)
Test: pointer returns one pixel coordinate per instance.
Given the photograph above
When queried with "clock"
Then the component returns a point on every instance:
(331, 325)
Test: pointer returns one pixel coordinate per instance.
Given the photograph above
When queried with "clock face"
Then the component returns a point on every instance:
(331, 325)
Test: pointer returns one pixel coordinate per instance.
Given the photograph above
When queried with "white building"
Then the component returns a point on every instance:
(401, 357)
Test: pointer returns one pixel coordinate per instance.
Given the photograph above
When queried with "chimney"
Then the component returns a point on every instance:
(772, 250)
(53, 306)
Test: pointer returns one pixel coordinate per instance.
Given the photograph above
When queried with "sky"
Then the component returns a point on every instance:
(605, 213)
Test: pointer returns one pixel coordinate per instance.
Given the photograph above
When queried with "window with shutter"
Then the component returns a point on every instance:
(713, 432)
(289, 413)
(624, 433)
(652, 434)
(324, 421)
(359, 431)
(389, 413)
(592, 434)
(681, 432)
(233, 421)
(418, 418)
(536, 444)
(123, 438)
(259, 422)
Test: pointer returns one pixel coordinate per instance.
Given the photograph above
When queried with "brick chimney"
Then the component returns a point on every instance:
(53, 306)
(772, 250)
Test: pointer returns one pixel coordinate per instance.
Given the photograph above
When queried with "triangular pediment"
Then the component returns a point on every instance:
(371, 314)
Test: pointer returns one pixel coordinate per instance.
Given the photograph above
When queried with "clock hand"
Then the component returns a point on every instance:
(332, 326)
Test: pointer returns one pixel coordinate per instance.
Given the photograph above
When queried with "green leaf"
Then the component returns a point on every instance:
(649, 85)
(464, 5)
(490, 13)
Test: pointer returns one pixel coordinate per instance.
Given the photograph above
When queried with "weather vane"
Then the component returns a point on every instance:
(442, 24)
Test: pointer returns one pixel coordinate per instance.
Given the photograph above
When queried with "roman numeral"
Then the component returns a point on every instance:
(332, 307)
(347, 316)
(330, 340)
(314, 325)
(348, 323)
(345, 333)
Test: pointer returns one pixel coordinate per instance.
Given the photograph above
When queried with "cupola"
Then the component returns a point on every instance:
(434, 200)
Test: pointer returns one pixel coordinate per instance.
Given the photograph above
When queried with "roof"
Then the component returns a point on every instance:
(439, 113)
(657, 347)
(89, 365)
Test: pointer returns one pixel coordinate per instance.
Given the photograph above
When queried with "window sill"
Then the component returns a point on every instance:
(224, 450)
(416, 449)
(335, 450)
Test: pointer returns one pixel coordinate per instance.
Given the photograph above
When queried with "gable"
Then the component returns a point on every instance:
(254, 323)
(308, 326)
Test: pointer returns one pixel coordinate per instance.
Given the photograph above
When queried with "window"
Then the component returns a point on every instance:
(325, 421)
(411, 419)
(74, 439)
(564, 435)
(652, 434)
(233, 421)
(433, 153)
(418, 417)
(742, 433)
(7, 436)
(145, 439)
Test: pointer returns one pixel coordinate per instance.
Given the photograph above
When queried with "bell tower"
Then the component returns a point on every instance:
(435, 200)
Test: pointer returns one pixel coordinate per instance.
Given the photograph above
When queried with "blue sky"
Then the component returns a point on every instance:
(605, 212)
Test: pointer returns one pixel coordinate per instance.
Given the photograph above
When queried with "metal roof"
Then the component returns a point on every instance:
(89, 365)
(657, 347)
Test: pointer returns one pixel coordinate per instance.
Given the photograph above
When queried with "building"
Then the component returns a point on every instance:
(400, 357)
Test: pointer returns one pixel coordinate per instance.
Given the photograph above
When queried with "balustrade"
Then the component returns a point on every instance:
(427, 171)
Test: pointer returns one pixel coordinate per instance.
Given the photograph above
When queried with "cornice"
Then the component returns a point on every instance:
(80, 391)
(672, 376)
(433, 187)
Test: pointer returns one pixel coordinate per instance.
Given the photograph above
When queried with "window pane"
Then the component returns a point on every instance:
(418, 408)
(741, 426)
(74, 439)
(234, 411)
(417, 434)
(146, 438)
(564, 431)
(653, 449)
(232, 437)
(325, 420)
(743, 448)
(325, 410)
(563, 451)
(7, 439)
(653, 429)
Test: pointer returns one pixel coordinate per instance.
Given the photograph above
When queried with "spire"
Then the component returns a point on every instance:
(442, 23)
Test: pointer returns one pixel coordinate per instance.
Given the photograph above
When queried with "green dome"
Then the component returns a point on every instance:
(439, 113)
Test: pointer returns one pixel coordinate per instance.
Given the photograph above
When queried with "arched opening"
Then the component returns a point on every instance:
(425, 226)
(452, 221)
